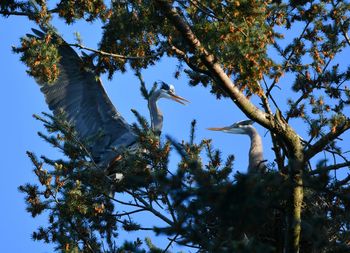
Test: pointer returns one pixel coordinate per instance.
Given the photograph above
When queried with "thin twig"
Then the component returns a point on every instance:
(323, 141)
(119, 56)
(288, 59)
(150, 208)
(131, 212)
(185, 58)
(171, 242)
(139, 228)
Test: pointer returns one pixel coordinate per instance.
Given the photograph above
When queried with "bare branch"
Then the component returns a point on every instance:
(119, 56)
(129, 213)
(346, 36)
(171, 242)
(150, 208)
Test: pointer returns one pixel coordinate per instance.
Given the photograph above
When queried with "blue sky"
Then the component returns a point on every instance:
(21, 97)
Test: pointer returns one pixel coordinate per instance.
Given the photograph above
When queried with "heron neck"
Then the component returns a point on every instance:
(155, 113)
(255, 152)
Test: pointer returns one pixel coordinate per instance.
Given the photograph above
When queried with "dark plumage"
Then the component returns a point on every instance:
(79, 93)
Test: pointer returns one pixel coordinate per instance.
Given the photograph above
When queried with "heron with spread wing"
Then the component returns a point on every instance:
(81, 96)
(256, 160)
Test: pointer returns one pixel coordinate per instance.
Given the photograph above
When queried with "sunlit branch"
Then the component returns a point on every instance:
(209, 60)
(119, 56)
(205, 10)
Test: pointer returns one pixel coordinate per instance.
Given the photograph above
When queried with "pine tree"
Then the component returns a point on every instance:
(239, 50)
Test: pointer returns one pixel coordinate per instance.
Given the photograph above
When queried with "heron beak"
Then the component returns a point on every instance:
(218, 128)
(178, 99)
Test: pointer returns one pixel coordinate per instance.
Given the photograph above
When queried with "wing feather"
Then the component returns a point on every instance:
(87, 106)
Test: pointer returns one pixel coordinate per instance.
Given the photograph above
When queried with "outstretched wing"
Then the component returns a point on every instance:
(81, 96)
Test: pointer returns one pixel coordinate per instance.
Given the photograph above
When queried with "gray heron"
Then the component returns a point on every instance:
(81, 96)
(256, 160)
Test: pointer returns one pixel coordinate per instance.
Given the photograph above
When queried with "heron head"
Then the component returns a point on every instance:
(168, 91)
(240, 127)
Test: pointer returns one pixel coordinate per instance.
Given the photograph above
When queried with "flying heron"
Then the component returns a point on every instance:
(256, 160)
(81, 96)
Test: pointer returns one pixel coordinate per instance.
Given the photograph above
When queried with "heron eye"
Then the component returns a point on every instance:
(172, 89)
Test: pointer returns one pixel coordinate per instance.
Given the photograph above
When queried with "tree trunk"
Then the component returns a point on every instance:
(296, 194)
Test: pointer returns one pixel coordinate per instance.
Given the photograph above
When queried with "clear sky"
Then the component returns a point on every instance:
(20, 97)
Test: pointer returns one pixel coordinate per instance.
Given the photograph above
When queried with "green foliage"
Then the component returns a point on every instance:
(10, 5)
(202, 203)
(132, 30)
(83, 9)
(41, 56)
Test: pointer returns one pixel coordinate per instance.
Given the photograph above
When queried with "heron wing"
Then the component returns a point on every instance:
(79, 93)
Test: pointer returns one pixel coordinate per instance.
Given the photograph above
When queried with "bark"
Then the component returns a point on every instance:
(276, 123)
(292, 240)
(224, 82)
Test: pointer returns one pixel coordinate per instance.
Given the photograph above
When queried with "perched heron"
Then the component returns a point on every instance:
(256, 160)
(81, 96)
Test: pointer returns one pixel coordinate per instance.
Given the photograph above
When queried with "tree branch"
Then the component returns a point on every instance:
(15, 13)
(185, 58)
(287, 58)
(131, 212)
(23, 13)
(150, 208)
(321, 143)
(100, 52)
(171, 242)
(224, 82)
(329, 168)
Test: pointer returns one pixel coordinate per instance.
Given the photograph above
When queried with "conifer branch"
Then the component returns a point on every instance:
(23, 13)
(118, 56)
(325, 140)
(329, 168)
(185, 58)
(286, 63)
(209, 60)
(149, 207)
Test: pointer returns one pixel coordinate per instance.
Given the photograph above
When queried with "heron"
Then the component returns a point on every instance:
(256, 160)
(81, 96)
